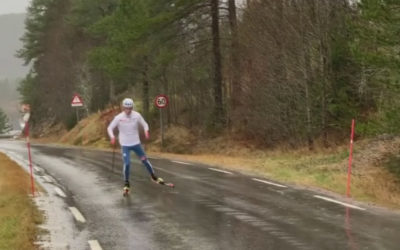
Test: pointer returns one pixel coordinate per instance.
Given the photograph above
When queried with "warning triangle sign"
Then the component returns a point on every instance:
(77, 101)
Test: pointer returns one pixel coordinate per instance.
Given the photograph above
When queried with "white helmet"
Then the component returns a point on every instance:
(127, 103)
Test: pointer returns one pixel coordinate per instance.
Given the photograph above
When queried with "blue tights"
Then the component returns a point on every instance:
(126, 150)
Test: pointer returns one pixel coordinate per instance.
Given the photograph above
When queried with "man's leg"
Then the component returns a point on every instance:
(142, 156)
(127, 164)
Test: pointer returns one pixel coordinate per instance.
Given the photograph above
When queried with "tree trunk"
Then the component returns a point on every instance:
(112, 92)
(307, 75)
(325, 80)
(307, 81)
(324, 55)
(281, 71)
(218, 109)
(235, 63)
(166, 92)
(145, 97)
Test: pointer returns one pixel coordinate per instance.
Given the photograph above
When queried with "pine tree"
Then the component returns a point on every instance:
(4, 123)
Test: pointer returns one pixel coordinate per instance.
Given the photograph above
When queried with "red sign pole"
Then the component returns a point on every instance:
(350, 158)
(30, 157)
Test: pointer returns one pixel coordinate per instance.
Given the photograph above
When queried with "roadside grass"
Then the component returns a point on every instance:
(317, 170)
(90, 131)
(393, 165)
(19, 217)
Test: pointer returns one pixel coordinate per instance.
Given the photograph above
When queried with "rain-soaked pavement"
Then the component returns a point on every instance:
(207, 210)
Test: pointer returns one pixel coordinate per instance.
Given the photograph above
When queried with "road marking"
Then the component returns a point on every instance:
(47, 178)
(181, 162)
(154, 158)
(218, 170)
(94, 245)
(60, 192)
(269, 183)
(78, 216)
(38, 171)
(338, 202)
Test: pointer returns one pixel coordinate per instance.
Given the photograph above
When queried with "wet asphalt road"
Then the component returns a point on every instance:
(207, 209)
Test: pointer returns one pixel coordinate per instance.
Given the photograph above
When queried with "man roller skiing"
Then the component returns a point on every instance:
(128, 123)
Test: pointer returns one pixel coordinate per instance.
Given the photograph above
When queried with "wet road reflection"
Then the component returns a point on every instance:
(352, 245)
(207, 209)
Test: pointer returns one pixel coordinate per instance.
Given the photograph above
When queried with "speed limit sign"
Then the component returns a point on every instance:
(161, 101)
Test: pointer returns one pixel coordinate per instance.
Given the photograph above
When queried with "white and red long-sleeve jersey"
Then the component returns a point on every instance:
(128, 126)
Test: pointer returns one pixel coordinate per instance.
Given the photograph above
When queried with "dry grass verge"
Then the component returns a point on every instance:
(91, 131)
(19, 217)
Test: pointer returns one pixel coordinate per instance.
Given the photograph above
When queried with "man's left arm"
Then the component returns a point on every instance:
(145, 126)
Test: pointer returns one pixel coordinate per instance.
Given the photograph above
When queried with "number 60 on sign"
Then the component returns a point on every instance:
(161, 101)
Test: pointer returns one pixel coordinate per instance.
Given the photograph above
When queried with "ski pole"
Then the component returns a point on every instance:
(113, 158)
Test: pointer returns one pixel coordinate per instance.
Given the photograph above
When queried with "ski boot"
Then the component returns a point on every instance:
(160, 181)
(157, 179)
(126, 188)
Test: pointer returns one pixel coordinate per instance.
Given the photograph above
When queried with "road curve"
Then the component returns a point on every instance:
(209, 209)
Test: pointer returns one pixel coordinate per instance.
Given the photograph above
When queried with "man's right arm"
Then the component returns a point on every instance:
(110, 129)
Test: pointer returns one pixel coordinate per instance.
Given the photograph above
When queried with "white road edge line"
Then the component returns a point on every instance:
(60, 192)
(94, 245)
(338, 202)
(181, 162)
(269, 183)
(47, 178)
(78, 216)
(218, 170)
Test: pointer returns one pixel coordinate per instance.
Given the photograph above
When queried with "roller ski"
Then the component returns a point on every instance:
(126, 189)
(160, 181)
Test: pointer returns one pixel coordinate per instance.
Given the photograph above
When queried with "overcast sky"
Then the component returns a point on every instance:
(13, 6)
